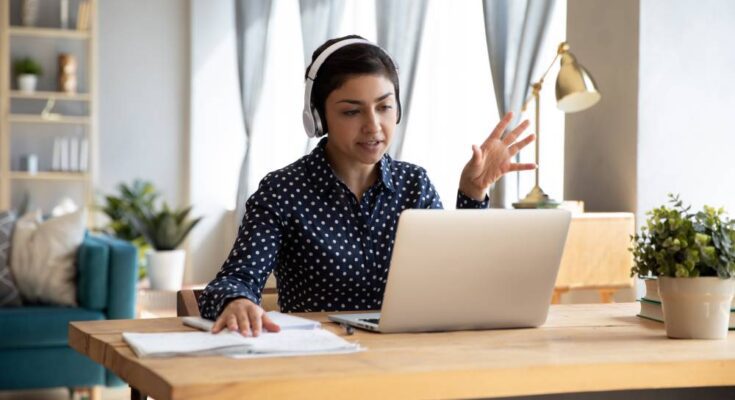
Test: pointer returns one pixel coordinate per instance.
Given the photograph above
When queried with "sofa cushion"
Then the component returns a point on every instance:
(43, 257)
(93, 271)
(9, 295)
(122, 278)
(40, 326)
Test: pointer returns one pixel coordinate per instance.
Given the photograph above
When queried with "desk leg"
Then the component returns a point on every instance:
(607, 295)
(556, 296)
(136, 394)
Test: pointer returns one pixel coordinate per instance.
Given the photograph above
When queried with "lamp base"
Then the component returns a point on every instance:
(536, 198)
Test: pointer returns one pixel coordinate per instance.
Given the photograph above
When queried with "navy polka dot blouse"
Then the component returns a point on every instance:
(329, 251)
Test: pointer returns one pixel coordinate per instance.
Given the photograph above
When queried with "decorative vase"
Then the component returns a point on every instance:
(27, 83)
(696, 308)
(29, 12)
(67, 73)
(166, 269)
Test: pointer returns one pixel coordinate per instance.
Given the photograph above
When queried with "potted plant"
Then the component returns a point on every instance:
(133, 199)
(693, 257)
(27, 70)
(165, 230)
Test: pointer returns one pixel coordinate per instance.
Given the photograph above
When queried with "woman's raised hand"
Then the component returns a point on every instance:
(492, 159)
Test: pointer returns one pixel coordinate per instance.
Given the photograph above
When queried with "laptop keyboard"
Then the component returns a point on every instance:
(375, 321)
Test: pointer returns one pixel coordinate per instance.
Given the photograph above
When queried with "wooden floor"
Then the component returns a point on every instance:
(118, 393)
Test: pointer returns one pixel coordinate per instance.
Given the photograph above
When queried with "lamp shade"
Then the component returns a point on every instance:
(575, 88)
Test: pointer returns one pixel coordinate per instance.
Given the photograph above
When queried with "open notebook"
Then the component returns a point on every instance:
(298, 336)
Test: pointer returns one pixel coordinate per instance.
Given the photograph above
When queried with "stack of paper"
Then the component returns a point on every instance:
(298, 336)
(284, 321)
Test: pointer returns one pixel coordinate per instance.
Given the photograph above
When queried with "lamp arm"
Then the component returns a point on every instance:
(563, 48)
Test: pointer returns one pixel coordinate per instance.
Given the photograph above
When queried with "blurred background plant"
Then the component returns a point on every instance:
(165, 229)
(136, 199)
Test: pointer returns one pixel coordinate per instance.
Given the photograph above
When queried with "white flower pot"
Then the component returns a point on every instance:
(166, 269)
(696, 308)
(27, 83)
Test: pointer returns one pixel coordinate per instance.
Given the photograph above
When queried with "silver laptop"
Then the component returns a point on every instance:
(469, 269)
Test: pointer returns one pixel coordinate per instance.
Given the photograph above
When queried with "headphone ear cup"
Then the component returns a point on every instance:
(309, 125)
(318, 124)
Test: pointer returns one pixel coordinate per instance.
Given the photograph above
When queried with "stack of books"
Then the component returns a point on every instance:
(651, 304)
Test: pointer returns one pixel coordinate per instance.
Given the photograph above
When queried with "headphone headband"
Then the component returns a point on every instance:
(311, 118)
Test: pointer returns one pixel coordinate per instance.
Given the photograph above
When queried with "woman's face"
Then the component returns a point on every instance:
(361, 116)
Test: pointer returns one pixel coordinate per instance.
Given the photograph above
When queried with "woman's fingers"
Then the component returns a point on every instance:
(232, 322)
(516, 147)
(476, 155)
(513, 135)
(244, 323)
(255, 314)
(269, 325)
(500, 128)
(219, 324)
(522, 167)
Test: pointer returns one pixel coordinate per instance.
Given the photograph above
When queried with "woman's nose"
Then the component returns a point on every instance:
(372, 122)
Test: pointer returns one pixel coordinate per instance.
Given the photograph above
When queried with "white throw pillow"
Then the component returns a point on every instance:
(43, 259)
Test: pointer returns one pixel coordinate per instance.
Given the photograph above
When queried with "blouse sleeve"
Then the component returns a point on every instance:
(464, 201)
(252, 258)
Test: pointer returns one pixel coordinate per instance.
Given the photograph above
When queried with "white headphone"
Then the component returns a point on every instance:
(312, 120)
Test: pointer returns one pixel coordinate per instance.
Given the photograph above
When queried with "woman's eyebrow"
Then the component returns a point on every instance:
(358, 102)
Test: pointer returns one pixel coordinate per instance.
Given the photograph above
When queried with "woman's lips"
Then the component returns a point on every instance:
(370, 145)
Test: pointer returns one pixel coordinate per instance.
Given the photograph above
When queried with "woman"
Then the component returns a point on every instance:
(326, 224)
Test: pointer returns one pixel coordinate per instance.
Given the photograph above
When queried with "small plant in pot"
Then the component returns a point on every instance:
(693, 257)
(165, 230)
(27, 70)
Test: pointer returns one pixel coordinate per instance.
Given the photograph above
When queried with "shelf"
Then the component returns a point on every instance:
(39, 95)
(37, 119)
(48, 33)
(50, 176)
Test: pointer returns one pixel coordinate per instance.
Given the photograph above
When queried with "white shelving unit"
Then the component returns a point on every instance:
(36, 42)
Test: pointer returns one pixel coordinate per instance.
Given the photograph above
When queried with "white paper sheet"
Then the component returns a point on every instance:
(286, 342)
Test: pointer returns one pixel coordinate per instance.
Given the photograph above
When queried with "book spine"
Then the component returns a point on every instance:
(64, 143)
(84, 155)
(56, 158)
(74, 154)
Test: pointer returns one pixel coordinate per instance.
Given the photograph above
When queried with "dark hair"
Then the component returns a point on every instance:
(353, 59)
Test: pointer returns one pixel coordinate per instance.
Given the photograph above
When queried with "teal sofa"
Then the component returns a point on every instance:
(34, 348)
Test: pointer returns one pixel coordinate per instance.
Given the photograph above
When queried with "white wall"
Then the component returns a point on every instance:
(662, 124)
(600, 142)
(686, 133)
(600, 148)
(143, 94)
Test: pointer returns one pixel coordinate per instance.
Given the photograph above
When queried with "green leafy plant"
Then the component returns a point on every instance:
(27, 65)
(134, 199)
(677, 243)
(165, 229)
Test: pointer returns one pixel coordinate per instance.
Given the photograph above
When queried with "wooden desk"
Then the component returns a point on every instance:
(581, 348)
(596, 255)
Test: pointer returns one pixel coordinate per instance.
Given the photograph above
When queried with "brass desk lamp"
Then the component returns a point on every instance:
(575, 91)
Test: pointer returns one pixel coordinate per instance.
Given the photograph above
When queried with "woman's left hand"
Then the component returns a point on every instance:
(492, 160)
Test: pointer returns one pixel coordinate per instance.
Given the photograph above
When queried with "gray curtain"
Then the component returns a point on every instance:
(514, 30)
(252, 18)
(400, 25)
(319, 21)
